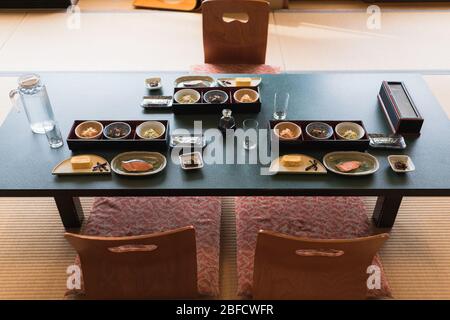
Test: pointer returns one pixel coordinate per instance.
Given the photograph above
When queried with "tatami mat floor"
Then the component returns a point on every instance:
(34, 254)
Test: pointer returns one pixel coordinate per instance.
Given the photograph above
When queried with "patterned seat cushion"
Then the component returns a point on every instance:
(312, 217)
(131, 216)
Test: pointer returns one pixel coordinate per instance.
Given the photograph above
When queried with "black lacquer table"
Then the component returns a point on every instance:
(27, 161)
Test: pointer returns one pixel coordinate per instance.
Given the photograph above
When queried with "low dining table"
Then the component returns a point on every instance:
(27, 160)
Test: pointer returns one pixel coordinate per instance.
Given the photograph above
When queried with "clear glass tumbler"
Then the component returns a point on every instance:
(53, 134)
(280, 105)
(251, 133)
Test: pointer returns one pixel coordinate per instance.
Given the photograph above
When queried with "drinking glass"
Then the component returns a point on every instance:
(53, 134)
(280, 105)
(250, 140)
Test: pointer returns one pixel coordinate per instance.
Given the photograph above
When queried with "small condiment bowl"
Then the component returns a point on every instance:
(319, 126)
(222, 94)
(392, 159)
(296, 130)
(196, 155)
(120, 125)
(254, 96)
(150, 81)
(155, 125)
(342, 127)
(89, 124)
(183, 92)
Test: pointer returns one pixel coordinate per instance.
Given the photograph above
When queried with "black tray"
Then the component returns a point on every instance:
(131, 142)
(203, 107)
(334, 143)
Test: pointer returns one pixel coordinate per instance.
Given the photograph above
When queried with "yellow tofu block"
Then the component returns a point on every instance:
(81, 162)
(291, 161)
(243, 82)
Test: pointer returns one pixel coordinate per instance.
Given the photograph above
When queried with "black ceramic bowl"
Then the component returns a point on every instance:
(117, 130)
(215, 96)
(319, 130)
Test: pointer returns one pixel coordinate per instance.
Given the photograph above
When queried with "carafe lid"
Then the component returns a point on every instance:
(226, 112)
(29, 80)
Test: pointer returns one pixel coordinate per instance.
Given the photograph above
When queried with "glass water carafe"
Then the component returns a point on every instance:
(34, 99)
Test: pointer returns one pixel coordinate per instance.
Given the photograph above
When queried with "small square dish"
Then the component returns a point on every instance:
(156, 102)
(386, 141)
(191, 161)
(187, 141)
(153, 83)
(401, 163)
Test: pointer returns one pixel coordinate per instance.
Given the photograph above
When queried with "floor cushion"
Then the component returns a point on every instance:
(312, 217)
(131, 216)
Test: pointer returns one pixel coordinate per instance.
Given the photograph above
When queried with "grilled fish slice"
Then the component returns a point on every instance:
(348, 166)
(136, 165)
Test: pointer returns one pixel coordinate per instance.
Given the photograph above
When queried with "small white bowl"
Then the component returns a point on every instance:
(89, 124)
(155, 125)
(342, 127)
(180, 94)
(241, 92)
(404, 158)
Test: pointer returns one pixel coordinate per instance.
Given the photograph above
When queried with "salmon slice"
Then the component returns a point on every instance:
(348, 166)
(136, 166)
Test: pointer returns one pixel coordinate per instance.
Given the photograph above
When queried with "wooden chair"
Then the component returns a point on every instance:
(161, 265)
(235, 42)
(288, 267)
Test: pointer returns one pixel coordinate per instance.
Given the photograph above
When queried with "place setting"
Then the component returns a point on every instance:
(345, 143)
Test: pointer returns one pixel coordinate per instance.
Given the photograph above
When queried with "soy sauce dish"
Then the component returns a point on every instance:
(401, 163)
(191, 161)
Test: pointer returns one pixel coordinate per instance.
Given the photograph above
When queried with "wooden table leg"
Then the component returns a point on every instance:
(386, 210)
(70, 211)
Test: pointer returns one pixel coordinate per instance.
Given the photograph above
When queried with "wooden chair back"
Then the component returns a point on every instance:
(236, 41)
(161, 265)
(288, 267)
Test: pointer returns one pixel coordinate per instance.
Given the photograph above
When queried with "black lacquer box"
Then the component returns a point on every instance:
(131, 142)
(399, 108)
(202, 106)
(332, 143)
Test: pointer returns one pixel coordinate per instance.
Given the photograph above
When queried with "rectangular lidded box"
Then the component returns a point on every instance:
(334, 143)
(204, 107)
(399, 108)
(133, 141)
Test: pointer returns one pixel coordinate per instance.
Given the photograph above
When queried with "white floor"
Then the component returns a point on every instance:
(329, 41)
